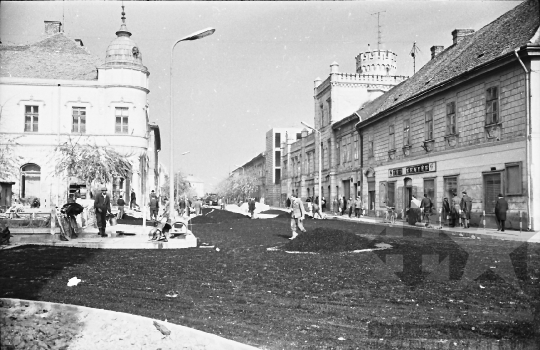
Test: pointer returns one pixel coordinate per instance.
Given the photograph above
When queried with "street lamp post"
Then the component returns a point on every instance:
(178, 178)
(194, 36)
(320, 163)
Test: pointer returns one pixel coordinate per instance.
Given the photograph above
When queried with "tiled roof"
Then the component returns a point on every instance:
(56, 57)
(512, 30)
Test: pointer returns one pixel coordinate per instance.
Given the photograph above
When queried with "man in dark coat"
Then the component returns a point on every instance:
(466, 207)
(133, 200)
(500, 211)
(102, 204)
(426, 205)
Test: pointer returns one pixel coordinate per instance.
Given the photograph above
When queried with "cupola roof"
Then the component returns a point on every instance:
(123, 52)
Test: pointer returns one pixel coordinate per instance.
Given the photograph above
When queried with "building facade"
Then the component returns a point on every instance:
(336, 100)
(467, 121)
(54, 92)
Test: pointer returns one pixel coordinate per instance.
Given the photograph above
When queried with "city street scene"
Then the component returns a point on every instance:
(270, 175)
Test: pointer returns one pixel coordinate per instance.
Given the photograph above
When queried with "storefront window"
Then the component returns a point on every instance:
(391, 196)
(450, 186)
(429, 189)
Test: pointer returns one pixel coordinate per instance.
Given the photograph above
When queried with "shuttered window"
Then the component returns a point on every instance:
(382, 194)
(492, 187)
(428, 128)
(451, 128)
(513, 179)
(391, 138)
(406, 132)
(492, 105)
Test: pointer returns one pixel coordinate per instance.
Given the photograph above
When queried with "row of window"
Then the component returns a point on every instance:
(347, 149)
(491, 117)
(78, 118)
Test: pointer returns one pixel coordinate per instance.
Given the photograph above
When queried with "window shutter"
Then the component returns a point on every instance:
(492, 189)
(382, 193)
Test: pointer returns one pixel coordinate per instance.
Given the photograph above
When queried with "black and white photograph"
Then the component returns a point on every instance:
(274, 175)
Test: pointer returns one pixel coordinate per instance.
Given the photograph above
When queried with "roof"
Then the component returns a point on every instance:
(512, 30)
(55, 57)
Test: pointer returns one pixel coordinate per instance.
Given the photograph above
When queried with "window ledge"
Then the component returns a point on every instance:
(406, 150)
(428, 145)
(493, 131)
(448, 136)
(392, 154)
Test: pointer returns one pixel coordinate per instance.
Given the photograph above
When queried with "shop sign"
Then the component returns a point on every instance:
(413, 169)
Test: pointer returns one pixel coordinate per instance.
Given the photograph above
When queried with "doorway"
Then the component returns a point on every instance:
(347, 189)
(408, 192)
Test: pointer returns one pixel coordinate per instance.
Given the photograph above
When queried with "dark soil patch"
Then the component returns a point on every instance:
(275, 300)
(328, 240)
(214, 216)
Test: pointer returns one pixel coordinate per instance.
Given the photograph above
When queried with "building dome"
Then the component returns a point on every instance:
(123, 52)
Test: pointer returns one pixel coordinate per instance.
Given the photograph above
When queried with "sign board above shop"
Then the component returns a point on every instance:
(413, 169)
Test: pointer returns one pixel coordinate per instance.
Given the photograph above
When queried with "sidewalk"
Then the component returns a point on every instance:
(119, 237)
(473, 232)
(40, 324)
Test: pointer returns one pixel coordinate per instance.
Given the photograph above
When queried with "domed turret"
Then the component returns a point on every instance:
(123, 52)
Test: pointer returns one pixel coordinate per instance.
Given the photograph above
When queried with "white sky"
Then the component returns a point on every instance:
(257, 71)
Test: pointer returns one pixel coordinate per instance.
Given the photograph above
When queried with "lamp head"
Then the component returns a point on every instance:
(199, 34)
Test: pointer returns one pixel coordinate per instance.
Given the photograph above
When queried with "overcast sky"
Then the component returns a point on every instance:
(257, 71)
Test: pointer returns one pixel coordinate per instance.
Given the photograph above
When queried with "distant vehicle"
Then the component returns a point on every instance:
(211, 199)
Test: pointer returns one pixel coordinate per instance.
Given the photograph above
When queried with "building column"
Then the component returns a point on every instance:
(534, 145)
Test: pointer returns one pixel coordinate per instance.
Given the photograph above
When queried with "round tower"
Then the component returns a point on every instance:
(376, 62)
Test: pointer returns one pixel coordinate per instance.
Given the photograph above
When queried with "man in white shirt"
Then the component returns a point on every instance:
(297, 215)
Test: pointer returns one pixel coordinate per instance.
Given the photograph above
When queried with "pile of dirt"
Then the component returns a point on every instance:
(281, 213)
(213, 216)
(328, 240)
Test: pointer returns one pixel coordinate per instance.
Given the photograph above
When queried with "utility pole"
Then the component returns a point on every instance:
(379, 34)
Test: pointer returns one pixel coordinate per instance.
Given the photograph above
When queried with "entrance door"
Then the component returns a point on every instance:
(407, 195)
(347, 189)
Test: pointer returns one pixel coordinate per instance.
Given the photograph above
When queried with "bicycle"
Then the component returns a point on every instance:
(390, 211)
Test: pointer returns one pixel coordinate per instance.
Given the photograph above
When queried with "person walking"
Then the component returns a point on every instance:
(133, 200)
(446, 211)
(317, 210)
(288, 203)
(501, 206)
(340, 205)
(357, 206)
(197, 205)
(297, 216)
(102, 205)
(350, 206)
(251, 207)
(154, 206)
(120, 202)
(456, 208)
(323, 204)
(335, 206)
(466, 206)
(426, 206)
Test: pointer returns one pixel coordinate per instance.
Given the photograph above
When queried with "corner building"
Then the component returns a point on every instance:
(469, 120)
(54, 91)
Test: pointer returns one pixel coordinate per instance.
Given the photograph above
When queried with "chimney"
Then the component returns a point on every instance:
(458, 34)
(53, 27)
(79, 41)
(435, 50)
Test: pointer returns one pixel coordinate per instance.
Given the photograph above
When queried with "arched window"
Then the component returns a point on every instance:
(30, 180)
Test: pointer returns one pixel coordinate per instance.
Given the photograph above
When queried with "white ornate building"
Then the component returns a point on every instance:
(54, 91)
